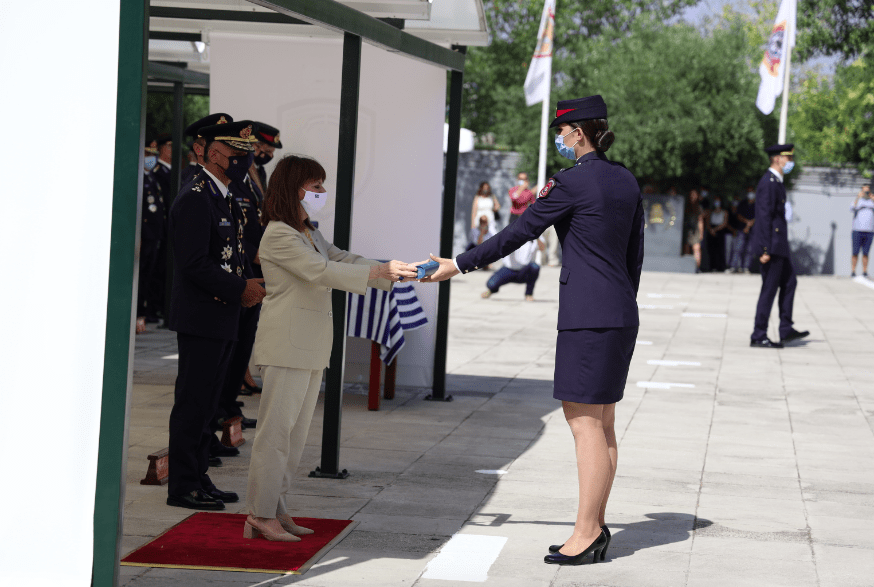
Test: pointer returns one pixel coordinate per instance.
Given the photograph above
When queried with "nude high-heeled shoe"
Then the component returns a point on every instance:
(254, 528)
(291, 527)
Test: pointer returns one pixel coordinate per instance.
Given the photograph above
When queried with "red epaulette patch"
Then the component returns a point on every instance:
(545, 191)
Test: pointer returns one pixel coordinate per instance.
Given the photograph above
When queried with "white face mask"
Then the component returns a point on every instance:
(314, 201)
(520, 182)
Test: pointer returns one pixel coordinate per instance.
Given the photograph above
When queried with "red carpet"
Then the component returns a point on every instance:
(215, 542)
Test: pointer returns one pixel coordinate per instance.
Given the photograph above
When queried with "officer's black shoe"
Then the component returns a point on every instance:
(215, 462)
(766, 343)
(794, 335)
(239, 404)
(223, 451)
(245, 391)
(196, 500)
(249, 423)
(222, 496)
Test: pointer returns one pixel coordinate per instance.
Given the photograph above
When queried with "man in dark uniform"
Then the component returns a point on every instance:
(193, 166)
(151, 234)
(248, 198)
(198, 142)
(157, 293)
(268, 142)
(770, 243)
(209, 289)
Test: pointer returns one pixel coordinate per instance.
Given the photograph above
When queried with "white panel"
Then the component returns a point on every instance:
(399, 172)
(57, 205)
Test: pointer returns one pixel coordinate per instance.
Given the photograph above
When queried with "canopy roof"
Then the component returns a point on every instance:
(180, 29)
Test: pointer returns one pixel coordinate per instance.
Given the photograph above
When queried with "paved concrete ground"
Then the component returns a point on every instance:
(737, 466)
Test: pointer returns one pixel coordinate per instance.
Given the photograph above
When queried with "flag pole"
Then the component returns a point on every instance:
(544, 126)
(784, 110)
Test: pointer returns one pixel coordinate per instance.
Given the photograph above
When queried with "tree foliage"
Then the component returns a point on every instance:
(833, 121)
(835, 27)
(159, 111)
(681, 101)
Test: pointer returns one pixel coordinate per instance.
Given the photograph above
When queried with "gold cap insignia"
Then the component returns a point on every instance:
(246, 132)
(276, 138)
(222, 120)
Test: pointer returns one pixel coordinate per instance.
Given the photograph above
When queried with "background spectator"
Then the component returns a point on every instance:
(519, 267)
(745, 217)
(717, 228)
(520, 196)
(693, 225)
(484, 204)
(863, 227)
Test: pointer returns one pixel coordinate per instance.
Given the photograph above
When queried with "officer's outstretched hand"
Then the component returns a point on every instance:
(447, 269)
(254, 293)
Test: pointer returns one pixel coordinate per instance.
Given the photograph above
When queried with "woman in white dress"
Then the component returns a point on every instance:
(484, 204)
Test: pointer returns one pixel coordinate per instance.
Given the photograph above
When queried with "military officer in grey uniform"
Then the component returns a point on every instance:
(770, 243)
(209, 291)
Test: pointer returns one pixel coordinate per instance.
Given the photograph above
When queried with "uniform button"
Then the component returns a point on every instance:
(776, 230)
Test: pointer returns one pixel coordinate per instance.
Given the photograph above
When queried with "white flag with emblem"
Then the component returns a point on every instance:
(773, 66)
(539, 76)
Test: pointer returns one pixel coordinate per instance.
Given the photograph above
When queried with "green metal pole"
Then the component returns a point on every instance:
(351, 80)
(121, 302)
(447, 229)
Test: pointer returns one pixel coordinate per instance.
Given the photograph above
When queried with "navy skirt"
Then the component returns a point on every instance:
(591, 364)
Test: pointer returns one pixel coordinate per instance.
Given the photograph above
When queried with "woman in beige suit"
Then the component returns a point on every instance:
(295, 334)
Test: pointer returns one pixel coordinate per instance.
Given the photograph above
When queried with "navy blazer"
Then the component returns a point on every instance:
(770, 232)
(209, 267)
(153, 215)
(597, 211)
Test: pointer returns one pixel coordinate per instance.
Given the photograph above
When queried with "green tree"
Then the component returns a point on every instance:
(159, 111)
(681, 104)
(835, 27)
(833, 120)
(494, 103)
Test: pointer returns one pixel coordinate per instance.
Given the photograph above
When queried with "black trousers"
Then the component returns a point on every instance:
(238, 364)
(777, 275)
(202, 366)
(148, 262)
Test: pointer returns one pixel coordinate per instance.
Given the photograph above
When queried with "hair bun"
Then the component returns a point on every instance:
(604, 139)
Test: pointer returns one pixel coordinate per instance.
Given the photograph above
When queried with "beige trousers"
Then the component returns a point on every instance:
(288, 401)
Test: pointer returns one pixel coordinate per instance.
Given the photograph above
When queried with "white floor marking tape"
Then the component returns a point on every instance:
(660, 385)
(866, 282)
(466, 557)
(174, 357)
(647, 342)
(673, 363)
(673, 296)
(493, 471)
(697, 315)
(654, 307)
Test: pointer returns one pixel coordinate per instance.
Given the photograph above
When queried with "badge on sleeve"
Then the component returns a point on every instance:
(546, 189)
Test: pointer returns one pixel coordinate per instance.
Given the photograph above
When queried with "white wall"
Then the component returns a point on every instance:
(58, 218)
(294, 84)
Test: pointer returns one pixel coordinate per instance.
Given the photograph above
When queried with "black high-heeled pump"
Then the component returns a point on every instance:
(604, 529)
(594, 548)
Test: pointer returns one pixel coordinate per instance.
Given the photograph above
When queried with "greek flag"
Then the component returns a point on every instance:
(383, 316)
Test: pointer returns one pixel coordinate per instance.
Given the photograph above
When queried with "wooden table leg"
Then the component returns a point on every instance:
(375, 368)
(390, 373)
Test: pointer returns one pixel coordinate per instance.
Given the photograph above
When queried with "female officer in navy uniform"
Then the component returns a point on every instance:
(597, 212)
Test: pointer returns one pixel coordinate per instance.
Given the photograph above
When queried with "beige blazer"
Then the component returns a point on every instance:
(296, 328)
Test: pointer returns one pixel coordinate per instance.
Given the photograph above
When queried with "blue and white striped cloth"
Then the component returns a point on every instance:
(383, 316)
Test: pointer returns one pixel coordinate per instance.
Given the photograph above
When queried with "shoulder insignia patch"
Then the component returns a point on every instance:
(547, 188)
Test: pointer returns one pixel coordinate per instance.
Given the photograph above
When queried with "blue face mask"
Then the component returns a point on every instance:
(150, 161)
(564, 150)
(790, 165)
